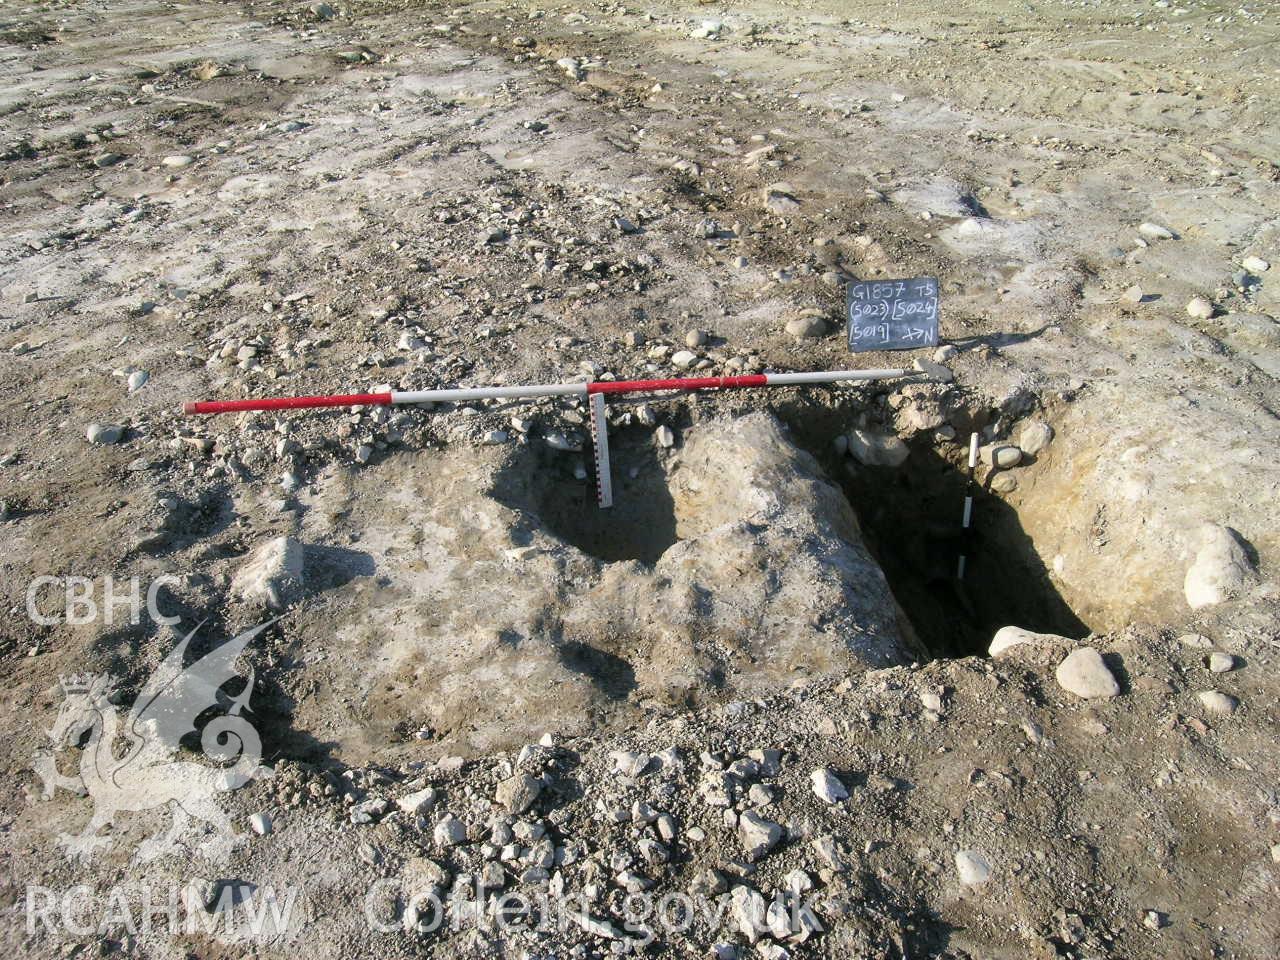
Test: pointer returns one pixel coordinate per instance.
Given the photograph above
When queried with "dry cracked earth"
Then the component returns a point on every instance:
(750, 711)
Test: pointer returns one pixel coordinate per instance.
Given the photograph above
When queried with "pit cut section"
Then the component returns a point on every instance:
(911, 519)
(546, 486)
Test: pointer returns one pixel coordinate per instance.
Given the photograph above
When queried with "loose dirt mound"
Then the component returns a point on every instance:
(476, 622)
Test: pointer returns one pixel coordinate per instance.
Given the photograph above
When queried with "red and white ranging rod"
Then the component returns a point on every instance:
(594, 391)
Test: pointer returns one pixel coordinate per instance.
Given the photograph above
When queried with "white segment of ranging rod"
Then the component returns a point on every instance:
(490, 393)
(600, 441)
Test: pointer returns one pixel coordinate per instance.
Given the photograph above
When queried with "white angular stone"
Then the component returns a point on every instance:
(1220, 662)
(877, 450)
(827, 786)
(780, 198)
(272, 575)
(516, 794)
(260, 823)
(934, 371)
(749, 912)
(104, 434)
(1255, 264)
(630, 763)
(758, 835)
(449, 832)
(418, 802)
(1197, 640)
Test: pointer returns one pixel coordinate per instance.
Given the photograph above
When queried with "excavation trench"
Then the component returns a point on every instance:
(745, 558)
(910, 520)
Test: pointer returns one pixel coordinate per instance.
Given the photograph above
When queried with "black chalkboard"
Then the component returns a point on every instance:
(893, 314)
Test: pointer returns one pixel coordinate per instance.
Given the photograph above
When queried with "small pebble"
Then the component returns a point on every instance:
(973, 867)
(684, 359)
(827, 786)
(664, 436)
(1255, 264)
(1199, 308)
(260, 823)
(137, 380)
(695, 338)
(1153, 231)
(1220, 662)
(104, 434)
(934, 371)
(1216, 702)
(1084, 673)
(807, 328)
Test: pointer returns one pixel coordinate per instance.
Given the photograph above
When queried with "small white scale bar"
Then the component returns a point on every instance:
(600, 441)
(968, 503)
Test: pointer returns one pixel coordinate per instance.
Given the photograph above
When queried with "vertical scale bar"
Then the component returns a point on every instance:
(968, 506)
(600, 440)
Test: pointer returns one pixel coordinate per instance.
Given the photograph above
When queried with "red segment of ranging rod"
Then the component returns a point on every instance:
(289, 403)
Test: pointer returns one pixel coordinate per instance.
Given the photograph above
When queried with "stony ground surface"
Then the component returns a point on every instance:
(476, 678)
